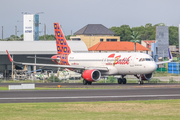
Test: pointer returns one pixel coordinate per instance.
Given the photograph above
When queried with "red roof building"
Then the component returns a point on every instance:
(117, 46)
(147, 43)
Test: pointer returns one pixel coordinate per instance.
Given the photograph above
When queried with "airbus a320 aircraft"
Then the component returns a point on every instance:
(94, 65)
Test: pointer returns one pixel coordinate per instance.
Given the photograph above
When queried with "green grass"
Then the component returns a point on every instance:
(4, 88)
(127, 110)
(163, 74)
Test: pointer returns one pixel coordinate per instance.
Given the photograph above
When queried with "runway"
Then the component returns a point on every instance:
(99, 85)
(88, 95)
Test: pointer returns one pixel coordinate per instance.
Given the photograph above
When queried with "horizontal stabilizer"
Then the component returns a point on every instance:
(43, 58)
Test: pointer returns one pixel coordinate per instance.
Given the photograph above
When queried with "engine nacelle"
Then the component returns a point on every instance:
(91, 75)
(145, 76)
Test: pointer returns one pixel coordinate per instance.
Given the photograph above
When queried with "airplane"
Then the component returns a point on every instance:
(94, 65)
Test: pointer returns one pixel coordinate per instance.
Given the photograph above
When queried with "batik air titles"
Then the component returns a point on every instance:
(93, 65)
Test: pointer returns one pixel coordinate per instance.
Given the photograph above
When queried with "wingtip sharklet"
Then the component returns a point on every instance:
(9, 56)
(170, 56)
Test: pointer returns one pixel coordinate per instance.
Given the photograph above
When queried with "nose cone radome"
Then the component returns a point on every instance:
(152, 67)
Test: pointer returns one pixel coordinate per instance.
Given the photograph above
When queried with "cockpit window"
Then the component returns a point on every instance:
(148, 59)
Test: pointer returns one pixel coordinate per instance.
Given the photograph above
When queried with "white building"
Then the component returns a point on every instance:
(31, 27)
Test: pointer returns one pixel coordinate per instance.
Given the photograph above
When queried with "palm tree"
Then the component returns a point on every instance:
(135, 35)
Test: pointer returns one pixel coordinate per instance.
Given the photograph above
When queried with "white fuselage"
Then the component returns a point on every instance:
(117, 63)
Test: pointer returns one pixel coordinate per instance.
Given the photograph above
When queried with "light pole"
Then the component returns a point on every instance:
(44, 30)
(39, 13)
(16, 28)
(2, 32)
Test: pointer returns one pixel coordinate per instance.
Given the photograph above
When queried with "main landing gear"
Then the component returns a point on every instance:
(85, 82)
(122, 80)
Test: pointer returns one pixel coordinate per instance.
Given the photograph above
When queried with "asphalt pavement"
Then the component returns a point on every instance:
(85, 95)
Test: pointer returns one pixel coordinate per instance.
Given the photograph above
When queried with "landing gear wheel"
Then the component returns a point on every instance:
(124, 81)
(89, 83)
(85, 82)
(120, 81)
(140, 82)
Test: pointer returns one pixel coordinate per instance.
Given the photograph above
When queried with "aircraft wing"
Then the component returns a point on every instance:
(170, 59)
(60, 66)
(163, 62)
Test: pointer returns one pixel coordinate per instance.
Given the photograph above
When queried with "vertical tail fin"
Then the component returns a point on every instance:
(61, 43)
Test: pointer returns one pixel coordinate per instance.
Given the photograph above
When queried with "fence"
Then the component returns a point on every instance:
(174, 67)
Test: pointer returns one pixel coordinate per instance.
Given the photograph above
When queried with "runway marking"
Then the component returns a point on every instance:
(84, 97)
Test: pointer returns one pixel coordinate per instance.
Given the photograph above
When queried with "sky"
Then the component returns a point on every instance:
(75, 14)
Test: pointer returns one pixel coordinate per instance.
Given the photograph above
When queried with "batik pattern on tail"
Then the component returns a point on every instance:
(63, 50)
(61, 43)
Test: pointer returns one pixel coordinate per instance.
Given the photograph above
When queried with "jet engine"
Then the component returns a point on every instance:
(91, 75)
(145, 76)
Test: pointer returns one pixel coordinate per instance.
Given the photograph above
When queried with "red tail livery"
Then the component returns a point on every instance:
(61, 43)
(63, 50)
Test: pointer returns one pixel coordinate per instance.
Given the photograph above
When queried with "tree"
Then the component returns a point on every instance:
(51, 37)
(47, 37)
(22, 36)
(135, 35)
(68, 37)
(147, 32)
(123, 31)
(173, 36)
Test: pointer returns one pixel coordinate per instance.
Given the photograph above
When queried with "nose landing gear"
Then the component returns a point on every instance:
(140, 82)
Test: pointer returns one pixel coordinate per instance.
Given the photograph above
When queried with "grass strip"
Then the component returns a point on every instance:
(121, 110)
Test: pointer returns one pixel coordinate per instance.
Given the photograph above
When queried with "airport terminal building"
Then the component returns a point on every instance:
(19, 50)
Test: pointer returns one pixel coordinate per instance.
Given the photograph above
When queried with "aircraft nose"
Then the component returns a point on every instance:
(152, 67)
